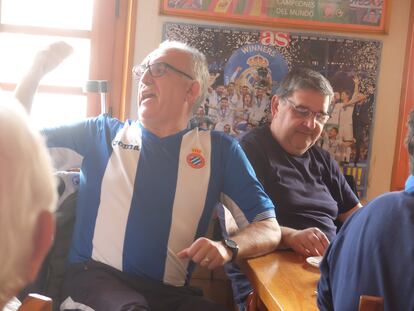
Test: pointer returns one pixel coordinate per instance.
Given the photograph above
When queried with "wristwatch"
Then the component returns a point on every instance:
(232, 246)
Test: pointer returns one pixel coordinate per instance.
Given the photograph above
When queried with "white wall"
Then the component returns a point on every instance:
(148, 36)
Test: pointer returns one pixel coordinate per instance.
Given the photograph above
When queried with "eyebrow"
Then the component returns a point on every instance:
(173, 68)
(302, 105)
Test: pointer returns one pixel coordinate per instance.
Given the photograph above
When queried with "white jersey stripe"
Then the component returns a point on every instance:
(109, 233)
(192, 185)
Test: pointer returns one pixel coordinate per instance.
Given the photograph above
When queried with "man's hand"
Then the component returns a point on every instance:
(45, 61)
(48, 59)
(308, 242)
(207, 253)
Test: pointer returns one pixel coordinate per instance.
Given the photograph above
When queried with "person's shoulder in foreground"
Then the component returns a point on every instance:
(373, 252)
(371, 256)
(27, 200)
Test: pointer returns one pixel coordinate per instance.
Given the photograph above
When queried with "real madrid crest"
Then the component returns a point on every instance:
(195, 159)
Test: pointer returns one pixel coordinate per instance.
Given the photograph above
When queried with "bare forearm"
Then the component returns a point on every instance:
(258, 238)
(27, 87)
(344, 216)
(286, 234)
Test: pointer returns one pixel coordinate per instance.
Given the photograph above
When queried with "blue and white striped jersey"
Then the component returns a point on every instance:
(143, 198)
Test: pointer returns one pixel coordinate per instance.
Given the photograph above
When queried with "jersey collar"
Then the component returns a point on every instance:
(409, 184)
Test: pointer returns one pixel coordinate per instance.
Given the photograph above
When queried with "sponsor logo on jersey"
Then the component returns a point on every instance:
(125, 146)
(195, 159)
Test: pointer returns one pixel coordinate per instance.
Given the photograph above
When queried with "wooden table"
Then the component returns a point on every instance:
(283, 280)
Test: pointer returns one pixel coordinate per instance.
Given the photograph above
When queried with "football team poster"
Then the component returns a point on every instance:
(247, 65)
(355, 15)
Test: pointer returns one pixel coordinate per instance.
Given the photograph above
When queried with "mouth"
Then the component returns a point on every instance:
(147, 95)
(304, 132)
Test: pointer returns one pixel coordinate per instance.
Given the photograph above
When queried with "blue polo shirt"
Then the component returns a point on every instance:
(309, 190)
(372, 255)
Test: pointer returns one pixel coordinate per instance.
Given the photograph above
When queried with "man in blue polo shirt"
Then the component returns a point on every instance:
(374, 252)
(303, 180)
(147, 192)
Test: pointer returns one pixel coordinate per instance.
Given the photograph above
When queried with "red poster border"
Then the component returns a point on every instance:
(382, 28)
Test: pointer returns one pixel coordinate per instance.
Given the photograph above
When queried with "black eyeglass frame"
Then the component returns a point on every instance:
(139, 70)
(305, 113)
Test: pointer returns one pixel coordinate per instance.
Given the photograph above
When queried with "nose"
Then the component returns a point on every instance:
(310, 121)
(146, 76)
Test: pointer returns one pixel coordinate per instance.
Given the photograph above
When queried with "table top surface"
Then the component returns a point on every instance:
(283, 280)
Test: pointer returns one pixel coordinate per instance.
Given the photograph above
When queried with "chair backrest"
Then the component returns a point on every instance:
(35, 302)
(50, 277)
(371, 303)
(251, 301)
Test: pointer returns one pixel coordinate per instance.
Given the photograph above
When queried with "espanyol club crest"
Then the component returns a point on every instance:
(195, 159)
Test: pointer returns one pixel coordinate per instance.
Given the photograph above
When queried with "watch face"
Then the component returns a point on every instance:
(231, 243)
(233, 247)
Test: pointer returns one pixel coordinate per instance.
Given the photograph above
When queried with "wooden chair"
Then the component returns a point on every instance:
(251, 301)
(35, 302)
(371, 303)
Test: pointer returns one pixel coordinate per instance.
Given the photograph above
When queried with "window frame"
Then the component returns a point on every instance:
(112, 47)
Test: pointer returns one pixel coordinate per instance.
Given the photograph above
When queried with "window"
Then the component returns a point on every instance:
(92, 27)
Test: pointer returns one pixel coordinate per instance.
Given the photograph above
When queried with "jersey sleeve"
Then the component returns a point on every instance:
(69, 144)
(243, 194)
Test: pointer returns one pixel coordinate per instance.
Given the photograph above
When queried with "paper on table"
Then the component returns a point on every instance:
(314, 261)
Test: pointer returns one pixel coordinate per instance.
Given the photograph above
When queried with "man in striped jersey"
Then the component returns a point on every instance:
(147, 192)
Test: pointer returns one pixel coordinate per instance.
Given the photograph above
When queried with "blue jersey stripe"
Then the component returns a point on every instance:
(150, 216)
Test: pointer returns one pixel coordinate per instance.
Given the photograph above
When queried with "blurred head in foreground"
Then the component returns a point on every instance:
(27, 200)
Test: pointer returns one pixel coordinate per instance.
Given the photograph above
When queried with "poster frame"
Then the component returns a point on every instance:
(229, 17)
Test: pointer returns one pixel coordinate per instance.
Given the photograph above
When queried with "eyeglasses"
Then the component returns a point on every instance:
(303, 112)
(156, 70)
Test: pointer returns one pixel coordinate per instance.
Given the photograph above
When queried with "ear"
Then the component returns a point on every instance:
(274, 105)
(42, 240)
(192, 93)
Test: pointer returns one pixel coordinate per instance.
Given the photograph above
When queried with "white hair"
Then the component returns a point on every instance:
(27, 187)
(199, 66)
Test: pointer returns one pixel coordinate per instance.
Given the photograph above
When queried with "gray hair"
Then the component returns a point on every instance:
(410, 141)
(199, 66)
(27, 188)
(304, 79)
